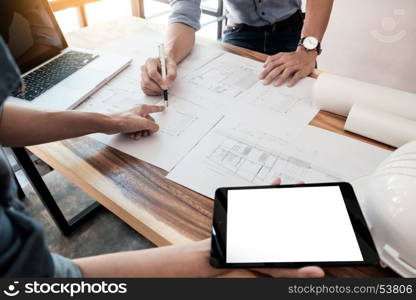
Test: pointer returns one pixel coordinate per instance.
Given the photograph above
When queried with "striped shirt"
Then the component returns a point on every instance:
(250, 12)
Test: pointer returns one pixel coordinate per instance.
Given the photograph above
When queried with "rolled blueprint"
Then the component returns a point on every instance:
(338, 94)
(381, 126)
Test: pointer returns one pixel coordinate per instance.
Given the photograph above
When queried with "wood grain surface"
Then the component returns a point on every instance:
(137, 192)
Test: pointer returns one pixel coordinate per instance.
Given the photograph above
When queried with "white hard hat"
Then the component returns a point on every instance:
(388, 201)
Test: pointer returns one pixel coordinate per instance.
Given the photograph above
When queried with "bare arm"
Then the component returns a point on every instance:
(190, 260)
(22, 126)
(180, 39)
(172, 261)
(300, 63)
(317, 18)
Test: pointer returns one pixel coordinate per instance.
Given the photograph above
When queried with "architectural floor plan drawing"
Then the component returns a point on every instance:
(177, 122)
(235, 153)
(219, 82)
(260, 166)
(293, 103)
(181, 125)
(238, 153)
(226, 75)
(200, 55)
(283, 104)
(225, 81)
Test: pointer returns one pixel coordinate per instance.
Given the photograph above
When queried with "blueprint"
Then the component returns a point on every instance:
(293, 103)
(236, 154)
(220, 82)
(182, 126)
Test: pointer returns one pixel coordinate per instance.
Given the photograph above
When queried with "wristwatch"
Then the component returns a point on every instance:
(311, 43)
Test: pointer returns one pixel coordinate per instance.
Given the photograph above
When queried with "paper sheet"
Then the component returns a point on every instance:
(116, 96)
(182, 125)
(380, 126)
(234, 154)
(293, 103)
(345, 157)
(200, 55)
(218, 83)
(337, 94)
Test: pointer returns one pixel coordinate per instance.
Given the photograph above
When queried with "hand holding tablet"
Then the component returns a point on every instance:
(290, 226)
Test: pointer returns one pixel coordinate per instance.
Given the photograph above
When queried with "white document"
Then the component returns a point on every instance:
(337, 94)
(237, 153)
(344, 157)
(200, 55)
(109, 100)
(182, 125)
(293, 103)
(241, 154)
(218, 83)
(308, 224)
(381, 126)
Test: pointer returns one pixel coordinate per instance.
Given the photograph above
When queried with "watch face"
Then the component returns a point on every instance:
(310, 43)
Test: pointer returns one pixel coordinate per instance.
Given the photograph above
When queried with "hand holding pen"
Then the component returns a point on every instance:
(152, 82)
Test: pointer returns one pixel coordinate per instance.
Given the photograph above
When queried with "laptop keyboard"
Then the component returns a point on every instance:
(45, 77)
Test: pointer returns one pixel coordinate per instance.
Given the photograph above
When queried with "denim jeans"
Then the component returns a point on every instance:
(265, 41)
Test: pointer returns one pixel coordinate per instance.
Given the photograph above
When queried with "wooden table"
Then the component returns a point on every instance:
(137, 192)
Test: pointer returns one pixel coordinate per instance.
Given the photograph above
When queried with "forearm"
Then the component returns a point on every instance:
(317, 18)
(23, 126)
(180, 40)
(173, 261)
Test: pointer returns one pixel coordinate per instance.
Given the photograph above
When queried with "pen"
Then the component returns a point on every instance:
(163, 69)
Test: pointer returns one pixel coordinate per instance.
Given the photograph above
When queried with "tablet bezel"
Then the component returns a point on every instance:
(362, 233)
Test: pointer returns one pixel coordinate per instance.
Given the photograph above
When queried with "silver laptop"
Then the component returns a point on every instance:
(55, 77)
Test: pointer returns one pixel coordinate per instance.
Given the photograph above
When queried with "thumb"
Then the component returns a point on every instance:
(140, 124)
(311, 272)
(277, 181)
(305, 272)
(148, 125)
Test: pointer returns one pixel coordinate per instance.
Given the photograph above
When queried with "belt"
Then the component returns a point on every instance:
(295, 19)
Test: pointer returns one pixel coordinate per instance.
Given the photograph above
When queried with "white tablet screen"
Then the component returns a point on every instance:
(305, 224)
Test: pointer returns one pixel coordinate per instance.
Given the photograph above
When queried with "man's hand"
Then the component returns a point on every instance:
(136, 122)
(152, 82)
(197, 259)
(294, 65)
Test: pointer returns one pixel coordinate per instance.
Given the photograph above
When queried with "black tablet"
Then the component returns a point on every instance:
(290, 226)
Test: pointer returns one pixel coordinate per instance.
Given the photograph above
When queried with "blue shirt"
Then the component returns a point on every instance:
(250, 12)
(23, 252)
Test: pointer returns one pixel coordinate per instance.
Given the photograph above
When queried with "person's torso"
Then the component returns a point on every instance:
(260, 12)
(23, 252)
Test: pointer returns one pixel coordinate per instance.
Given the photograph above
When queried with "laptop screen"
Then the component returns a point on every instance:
(31, 32)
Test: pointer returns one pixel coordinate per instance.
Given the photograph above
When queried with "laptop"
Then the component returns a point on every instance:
(54, 76)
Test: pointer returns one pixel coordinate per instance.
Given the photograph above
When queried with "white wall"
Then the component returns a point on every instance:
(374, 41)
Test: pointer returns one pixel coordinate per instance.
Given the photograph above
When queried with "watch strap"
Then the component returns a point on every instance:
(318, 47)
